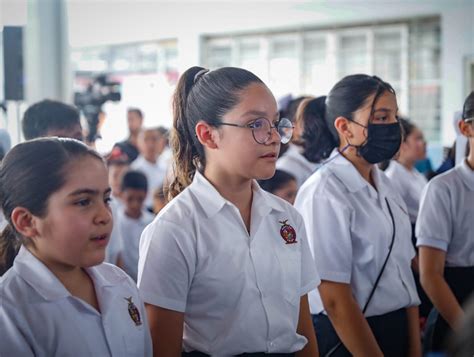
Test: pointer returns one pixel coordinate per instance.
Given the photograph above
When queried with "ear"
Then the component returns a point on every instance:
(24, 222)
(466, 129)
(342, 126)
(206, 134)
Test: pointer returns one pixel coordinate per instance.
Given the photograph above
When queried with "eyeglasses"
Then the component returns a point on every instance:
(262, 129)
(468, 120)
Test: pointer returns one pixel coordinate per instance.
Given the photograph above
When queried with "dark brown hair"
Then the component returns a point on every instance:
(29, 174)
(201, 95)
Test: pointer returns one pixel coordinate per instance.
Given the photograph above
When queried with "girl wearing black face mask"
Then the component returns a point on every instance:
(358, 227)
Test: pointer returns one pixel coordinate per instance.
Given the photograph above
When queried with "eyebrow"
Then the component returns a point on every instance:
(88, 191)
(384, 110)
(258, 113)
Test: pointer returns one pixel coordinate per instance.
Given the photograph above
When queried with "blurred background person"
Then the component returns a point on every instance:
(282, 184)
(130, 145)
(151, 144)
(132, 220)
(293, 160)
(51, 118)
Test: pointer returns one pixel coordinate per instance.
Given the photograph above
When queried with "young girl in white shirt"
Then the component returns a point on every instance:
(358, 227)
(445, 237)
(225, 267)
(58, 299)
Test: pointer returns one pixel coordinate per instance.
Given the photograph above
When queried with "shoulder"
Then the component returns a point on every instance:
(14, 291)
(444, 183)
(324, 183)
(114, 275)
(170, 221)
(182, 207)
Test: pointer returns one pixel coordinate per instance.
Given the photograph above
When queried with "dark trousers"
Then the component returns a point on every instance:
(461, 282)
(390, 331)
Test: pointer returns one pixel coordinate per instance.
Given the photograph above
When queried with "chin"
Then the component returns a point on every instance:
(93, 260)
(265, 174)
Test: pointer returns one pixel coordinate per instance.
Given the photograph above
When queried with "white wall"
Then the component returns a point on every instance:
(107, 22)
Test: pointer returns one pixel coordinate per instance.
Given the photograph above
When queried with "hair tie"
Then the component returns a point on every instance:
(198, 75)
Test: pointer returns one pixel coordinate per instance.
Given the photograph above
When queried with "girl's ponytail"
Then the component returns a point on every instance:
(184, 144)
(9, 246)
(317, 139)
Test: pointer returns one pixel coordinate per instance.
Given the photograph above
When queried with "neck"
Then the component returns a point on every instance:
(236, 190)
(71, 277)
(362, 166)
(133, 139)
(408, 164)
(150, 159)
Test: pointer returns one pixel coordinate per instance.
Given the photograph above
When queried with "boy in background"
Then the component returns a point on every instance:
(132, 220)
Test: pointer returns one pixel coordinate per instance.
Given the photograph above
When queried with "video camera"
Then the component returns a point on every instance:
(90, 102)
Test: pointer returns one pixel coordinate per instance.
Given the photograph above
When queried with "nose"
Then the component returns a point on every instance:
(273, 135)
(104, 214)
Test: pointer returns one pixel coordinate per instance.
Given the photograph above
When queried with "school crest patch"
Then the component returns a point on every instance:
(287, 232)
(133, 312)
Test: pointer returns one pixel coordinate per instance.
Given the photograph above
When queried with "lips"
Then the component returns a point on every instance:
(102, 237)
(101, 240)
(269, 155)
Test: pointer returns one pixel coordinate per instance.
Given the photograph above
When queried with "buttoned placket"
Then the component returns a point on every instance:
(258, 213)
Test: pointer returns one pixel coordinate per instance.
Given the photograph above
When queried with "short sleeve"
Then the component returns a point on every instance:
(309, 275)
(328, 229)
(166, 265)
(434, 224)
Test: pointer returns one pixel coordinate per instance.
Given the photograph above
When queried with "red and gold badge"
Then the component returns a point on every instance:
(287, 232)
(133, 311)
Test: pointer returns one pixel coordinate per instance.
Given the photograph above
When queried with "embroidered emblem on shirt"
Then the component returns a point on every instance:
(133, 311)
(287, 232)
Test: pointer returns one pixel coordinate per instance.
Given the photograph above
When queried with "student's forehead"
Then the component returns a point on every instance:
(256, 98)
(86, 170)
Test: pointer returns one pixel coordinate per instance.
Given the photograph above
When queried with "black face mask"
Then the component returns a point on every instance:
(383, 142)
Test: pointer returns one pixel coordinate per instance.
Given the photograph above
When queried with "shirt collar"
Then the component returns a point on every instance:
(41, 279)
(353, 180)
(467, 174)
(346, 172)
(38, 276)
(212, 202)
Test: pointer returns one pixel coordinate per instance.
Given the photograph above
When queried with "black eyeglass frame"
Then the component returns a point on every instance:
(283, 140)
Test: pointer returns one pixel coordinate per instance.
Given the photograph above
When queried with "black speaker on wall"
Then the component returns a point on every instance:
(13, 62)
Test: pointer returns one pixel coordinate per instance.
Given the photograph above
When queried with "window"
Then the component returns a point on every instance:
(406, 54)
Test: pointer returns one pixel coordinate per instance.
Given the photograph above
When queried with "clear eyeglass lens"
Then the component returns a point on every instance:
(261, 130)
(285, 129)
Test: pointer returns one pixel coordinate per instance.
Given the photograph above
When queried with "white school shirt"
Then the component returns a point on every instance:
(349, 231)
(131, 230)
(446, 218)
(155, 174)
(39, 317)
(293, 162)
(409, 184)
(239, 292)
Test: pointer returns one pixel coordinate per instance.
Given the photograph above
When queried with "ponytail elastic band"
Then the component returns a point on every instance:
(201, 73)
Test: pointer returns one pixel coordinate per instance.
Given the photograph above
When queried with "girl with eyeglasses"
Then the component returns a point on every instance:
(225, 267)
(445, 237)
(358, 226)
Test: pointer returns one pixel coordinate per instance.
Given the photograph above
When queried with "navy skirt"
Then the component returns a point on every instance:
(390, 331)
